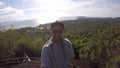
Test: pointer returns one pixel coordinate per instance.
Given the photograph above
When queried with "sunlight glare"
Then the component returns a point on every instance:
(51, 10)
(47, 18)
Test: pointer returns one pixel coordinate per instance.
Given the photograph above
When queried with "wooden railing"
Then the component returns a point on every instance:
(13, 61)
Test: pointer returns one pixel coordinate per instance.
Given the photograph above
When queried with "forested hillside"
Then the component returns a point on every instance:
(96, 40)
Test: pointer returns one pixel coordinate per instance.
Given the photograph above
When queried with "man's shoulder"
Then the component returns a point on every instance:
(47, 44)
(67, 40)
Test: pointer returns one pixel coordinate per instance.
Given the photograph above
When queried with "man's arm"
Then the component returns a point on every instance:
(45, 58)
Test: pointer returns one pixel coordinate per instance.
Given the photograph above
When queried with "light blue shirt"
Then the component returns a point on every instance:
(55, 55)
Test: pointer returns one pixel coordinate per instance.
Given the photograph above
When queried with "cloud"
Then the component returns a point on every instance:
(9, 13)
(106, 8)
(1, 4)
(24, 0)
(98, 8)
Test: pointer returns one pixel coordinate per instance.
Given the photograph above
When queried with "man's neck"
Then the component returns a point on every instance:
(58, 41)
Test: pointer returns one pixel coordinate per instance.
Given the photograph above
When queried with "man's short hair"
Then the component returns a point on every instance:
(57, 23)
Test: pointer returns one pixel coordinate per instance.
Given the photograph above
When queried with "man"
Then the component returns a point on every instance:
(57, 52)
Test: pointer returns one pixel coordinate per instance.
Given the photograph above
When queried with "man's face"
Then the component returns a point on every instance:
(57, 32)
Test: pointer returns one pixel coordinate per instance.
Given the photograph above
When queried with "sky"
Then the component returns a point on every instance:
(25, 13)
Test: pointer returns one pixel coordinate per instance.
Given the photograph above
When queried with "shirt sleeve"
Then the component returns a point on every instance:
(45, 58)
(69, 51)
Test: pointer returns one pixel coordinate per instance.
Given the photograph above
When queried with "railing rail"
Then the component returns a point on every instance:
(14, 61)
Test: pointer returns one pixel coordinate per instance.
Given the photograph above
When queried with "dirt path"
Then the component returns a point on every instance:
(36, 64)
(31, 64)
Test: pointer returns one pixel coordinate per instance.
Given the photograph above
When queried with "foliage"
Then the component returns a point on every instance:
(96, 40)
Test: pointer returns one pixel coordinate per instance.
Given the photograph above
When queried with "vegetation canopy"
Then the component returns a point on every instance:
(96, 40)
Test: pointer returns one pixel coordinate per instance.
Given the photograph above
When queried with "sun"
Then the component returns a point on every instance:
(48, 16)
(46, 19)
(49, 11)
